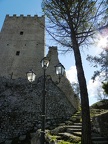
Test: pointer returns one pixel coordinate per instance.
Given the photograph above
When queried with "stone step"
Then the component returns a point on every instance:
(94, 134)
(99, 138)
(100, 142)
(78, 124)
(67, 135)
(74, 127)
(71, 130)
(77, 133)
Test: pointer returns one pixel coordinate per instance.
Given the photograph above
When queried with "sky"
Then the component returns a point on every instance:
(33, 7)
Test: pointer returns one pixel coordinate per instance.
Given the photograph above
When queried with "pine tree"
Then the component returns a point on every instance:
(72, 24)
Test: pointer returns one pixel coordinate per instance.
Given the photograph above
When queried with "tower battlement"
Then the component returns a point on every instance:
(23, 16)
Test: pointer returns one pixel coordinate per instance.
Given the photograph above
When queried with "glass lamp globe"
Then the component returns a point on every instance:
(45, 63)
(31, 76)
(60, 69)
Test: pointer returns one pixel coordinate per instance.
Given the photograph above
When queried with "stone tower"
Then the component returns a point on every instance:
(21, 45)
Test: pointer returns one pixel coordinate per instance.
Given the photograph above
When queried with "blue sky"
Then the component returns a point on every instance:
(33, 7)
(19, 7)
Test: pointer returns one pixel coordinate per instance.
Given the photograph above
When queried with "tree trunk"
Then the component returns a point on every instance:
(86, 125)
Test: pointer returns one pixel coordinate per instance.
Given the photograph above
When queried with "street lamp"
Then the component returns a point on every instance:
(31, 76)
(45, 64)
(59, 68)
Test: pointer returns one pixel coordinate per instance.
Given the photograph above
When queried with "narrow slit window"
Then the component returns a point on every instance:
(17, 53)
(21, 33)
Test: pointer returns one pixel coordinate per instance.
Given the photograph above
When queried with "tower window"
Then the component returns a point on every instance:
(21, 33)
(17, 53)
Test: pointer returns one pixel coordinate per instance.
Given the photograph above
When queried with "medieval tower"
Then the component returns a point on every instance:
(22, 45)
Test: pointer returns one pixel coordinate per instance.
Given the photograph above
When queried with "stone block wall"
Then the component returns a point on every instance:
(100, 124)
(21, 105)
(64, 84)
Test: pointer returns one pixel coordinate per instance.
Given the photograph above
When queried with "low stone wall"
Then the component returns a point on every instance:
(21, 104)
(64, 84)
(100, 124)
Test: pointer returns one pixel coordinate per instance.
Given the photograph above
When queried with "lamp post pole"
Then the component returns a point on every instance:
(60, 70)
(43, 110)
(45, 64)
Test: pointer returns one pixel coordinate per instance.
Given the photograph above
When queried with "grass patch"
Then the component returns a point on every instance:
(52, 137)
(75, 139)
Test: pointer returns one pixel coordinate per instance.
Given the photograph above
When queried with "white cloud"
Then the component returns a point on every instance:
(93, 87)
(72, 74)
(95, 90)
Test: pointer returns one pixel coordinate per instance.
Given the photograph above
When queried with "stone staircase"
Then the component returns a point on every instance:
(75, 129)
(96, 138)
(71, 132)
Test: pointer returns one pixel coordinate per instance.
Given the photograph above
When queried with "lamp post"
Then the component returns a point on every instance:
(45, 64)
(59, 68)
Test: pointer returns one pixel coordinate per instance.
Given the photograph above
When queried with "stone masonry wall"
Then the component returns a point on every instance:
(64, 84)
(20, 106)
(100, 124)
